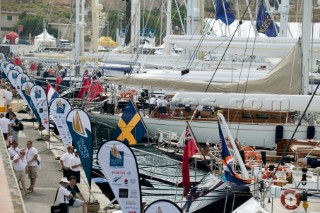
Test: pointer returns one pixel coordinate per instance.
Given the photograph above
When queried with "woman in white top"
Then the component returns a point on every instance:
(20, 168)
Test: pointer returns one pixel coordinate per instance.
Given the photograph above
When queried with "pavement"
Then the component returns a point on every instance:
(50, 172)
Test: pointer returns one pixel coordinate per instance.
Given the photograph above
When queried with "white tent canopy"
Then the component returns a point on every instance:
(45, 39)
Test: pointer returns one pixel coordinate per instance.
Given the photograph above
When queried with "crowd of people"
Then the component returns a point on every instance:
(68, 193)
(26, 162)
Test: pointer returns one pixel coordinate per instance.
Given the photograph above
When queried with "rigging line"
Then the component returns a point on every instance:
(204, 33)
(294, 132)
(244, 13)
(247, 80)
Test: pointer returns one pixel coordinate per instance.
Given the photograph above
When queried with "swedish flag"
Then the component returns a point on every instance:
(130, 128)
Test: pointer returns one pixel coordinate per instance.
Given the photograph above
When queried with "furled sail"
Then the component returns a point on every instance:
(285, 78)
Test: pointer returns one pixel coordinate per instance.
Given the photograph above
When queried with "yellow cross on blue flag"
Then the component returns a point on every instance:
(130, 128)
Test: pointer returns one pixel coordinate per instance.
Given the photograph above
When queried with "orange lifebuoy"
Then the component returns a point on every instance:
(293, 196)
(252, 158)
(269, 174)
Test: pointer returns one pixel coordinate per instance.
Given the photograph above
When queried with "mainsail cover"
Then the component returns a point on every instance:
(285, 78)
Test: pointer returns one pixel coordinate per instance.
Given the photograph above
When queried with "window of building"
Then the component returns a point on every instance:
(9, 18)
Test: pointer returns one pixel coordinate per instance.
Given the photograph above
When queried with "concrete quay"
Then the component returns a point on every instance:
(48, 179)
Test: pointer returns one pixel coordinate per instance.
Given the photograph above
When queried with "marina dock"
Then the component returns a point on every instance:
(50, 173)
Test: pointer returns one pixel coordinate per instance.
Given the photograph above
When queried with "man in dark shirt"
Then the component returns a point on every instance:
(74, 190)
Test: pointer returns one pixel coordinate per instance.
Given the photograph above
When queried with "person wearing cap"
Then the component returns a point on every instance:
(75, 202)
(65, 161)
(75, 166)
(63, 196)
(20, 168)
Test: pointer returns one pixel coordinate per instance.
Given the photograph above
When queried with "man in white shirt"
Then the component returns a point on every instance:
(158, 101)
(75, 166)
(63, 195)
(65, 161)
(8, 96)
(152, 103)
(20, 168)
(33, 164)
(4, 125)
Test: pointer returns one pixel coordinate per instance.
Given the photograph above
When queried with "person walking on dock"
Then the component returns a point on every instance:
(8, 96)
(14, 126)
(4, 125)
(33, 164)
(20, 168)
(13, 149)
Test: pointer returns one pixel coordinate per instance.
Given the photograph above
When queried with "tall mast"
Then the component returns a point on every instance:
(135, 24)
(306, 39)
(168, 25)
(77, 39)
(95, 24)
(284, 12)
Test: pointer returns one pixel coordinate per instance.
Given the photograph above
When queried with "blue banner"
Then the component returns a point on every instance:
(224, 12)
(265, 24)
(26, 89)
(79, 126)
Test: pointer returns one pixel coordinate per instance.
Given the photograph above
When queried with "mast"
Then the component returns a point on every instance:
(77, 39)
(95, 24)
(306, 39)
(135, 24)
(284, 12)
(168, 25)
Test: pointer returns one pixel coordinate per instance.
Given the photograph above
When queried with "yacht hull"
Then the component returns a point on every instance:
(251, 134)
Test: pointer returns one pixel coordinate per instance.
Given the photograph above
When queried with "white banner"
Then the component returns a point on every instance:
(4, 63)
(162, 206)
(119, 166)
(59, 110)
(39, 99)
(12, 77)
(8, 68)
(18, 68)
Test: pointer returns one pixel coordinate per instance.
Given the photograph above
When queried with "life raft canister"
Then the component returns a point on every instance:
(289, 196)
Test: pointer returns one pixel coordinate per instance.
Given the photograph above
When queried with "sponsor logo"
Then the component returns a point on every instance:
(118, 172)
(159, 210)
(133, 193)
(133, 181)
(116, 157)
(115, 179)
(125, 182)
(77, 125)
(130, 202)
(123, 193)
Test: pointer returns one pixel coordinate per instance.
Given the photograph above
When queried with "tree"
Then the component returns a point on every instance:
(31, 24)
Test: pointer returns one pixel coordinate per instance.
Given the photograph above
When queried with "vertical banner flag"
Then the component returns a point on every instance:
(25, 89)
(21, 79)
(9, 67)
(163, 206)
(224, 12)
(59, 109)
(264, 22)
(79, 126)
(39, 100)
(18, 68)
(4, 64)
(130, 128)
(119, 166)
(227, 160)
(190, 148)
(12, 76)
